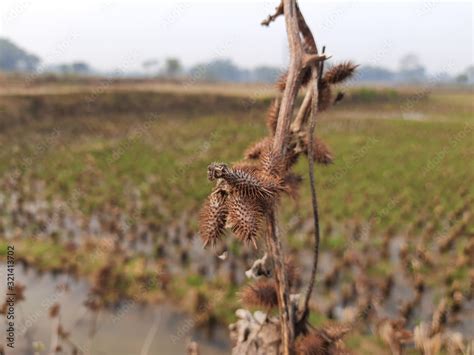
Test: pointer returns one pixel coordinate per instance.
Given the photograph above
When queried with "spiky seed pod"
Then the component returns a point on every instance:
(338, 73)
(247, 165)
(325, 341)
(324, 96)
(256, 150)
(272, 183)
(245, 218)
(272, 115)
(215, 171)
(213, 218)
(271, 163)
(321, 152)
(312, 344)
(248, 183)
(261, 293)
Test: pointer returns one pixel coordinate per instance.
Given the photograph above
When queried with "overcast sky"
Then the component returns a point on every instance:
(122, 34)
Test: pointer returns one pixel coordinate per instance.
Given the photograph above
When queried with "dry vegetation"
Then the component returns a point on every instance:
(118, 184)
(246, 197)
(107, 184)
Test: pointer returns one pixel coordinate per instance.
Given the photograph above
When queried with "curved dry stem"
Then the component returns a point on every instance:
(316, 73)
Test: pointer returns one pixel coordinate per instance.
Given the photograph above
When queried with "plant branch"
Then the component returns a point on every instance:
(292, 82)
(271, 18)
(303, 113)
(280, 147)
(285, 309)
(316, 73)
(309, 42)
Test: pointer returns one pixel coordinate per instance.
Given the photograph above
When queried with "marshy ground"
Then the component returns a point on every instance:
(103, 181)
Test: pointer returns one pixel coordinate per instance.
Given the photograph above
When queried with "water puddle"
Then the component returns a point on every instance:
(130, 328)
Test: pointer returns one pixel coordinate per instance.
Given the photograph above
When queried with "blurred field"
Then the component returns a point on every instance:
(119, 169)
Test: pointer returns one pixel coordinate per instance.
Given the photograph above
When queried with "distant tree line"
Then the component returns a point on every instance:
(214, 70)
(15, 59)
(224, 70)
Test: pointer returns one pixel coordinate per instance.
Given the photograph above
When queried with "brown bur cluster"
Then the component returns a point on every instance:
(246, 194)
(245, 190)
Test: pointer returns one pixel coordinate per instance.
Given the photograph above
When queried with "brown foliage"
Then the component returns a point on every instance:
(212, 218)
(256, 150)
(325, 341)
(271, 163)
(324, 96)
(321, 152)
(245, 218)
(261, 293)
(272, 116)
(248, 183)
(339, 73)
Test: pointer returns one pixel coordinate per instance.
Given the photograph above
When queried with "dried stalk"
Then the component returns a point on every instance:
(301, 55)
(271, 18)
(247, 196)
(285, 310)
(280, 148)
(303, 113)
(292, 83)
(316, 73)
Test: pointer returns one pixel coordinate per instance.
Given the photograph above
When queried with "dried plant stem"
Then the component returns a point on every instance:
(312, 49)
(299, 57)
(252, 191)
(303, 113)
(280, 149)
(286, 314)
(316, 73)
(314, 200)
(292, 84)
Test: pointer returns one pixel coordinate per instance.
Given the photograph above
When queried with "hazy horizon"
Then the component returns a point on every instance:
(121, 35)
